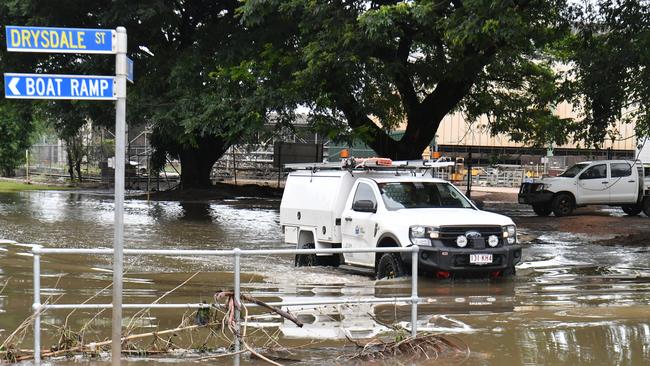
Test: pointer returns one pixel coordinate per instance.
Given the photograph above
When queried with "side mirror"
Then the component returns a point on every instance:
(364, 206)
(479, 204)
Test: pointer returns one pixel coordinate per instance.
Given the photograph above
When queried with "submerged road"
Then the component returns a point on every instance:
(576, 299)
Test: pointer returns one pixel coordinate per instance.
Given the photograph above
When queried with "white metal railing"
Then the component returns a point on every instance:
(236, 253)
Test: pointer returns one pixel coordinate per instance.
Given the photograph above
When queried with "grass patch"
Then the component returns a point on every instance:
(7, 186)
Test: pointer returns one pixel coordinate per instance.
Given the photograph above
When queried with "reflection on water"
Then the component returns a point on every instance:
(571, 302)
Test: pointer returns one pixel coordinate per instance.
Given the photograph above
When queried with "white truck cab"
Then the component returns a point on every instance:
(368, 208)
(603, 182)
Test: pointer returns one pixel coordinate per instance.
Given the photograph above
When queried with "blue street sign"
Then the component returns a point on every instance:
(60, 40)
(129, 70)
(38, 86)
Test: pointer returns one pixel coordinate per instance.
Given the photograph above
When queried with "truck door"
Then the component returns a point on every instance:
(624, 183)
(357, 225)
(593, 185)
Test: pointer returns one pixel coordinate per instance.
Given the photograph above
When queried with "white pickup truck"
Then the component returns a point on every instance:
(621, 183)
(368, 208)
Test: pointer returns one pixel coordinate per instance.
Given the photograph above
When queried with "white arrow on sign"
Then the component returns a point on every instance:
(12, 86)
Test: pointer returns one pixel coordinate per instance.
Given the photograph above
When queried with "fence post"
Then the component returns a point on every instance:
(237, 296)
(414, 290)
(36, 250)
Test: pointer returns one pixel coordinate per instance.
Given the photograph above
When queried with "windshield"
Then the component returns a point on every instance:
(399, 195)
(574, 170)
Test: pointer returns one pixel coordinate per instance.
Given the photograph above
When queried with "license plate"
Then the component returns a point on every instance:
(480, 258)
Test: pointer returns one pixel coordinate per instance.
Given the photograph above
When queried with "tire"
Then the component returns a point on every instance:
(310, 260)
(328, 260)
(646, 206)
(632, 210)
(562, 205)
(306, 260)
(509, 272)
(390, 265)
(542, 209)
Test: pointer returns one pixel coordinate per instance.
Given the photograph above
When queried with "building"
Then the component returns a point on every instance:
(457, 137)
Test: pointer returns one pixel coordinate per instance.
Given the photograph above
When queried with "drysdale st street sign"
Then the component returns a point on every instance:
(44, 86)
(60, 40)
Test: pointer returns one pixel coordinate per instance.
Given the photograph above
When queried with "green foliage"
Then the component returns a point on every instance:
(209, 73)
(15, 135)
(412, 61)
(174, 45)
(610, 52)
(177, 91)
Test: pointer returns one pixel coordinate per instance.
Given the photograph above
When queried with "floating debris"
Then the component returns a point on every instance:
(423, 346)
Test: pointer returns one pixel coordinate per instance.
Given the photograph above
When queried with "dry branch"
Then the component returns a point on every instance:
(93, 346)
(424, 345)
(261, 303)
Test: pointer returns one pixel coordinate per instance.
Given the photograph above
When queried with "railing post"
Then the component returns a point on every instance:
(36, 250)
(414, 290)
(237, 296)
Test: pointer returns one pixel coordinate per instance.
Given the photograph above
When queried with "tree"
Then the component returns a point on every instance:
(610, 80)
(194, 119)
(175, 45)
(68, 119)
(357, 62)
(16, 123)
(16, 127)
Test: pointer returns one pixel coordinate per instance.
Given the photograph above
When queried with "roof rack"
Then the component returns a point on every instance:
(373, 164)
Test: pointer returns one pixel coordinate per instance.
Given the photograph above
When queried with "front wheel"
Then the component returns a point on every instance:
(390, 265)
(509, 272)
(646, 206)
(562, 205)
(632, 210)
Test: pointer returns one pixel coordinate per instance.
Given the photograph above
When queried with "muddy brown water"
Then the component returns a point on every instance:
(572, 302)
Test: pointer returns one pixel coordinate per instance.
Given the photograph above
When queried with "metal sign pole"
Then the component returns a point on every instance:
(120, 144)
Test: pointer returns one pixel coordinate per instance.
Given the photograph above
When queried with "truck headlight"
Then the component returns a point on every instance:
(422, 235)
(510, 233)
(538, 187)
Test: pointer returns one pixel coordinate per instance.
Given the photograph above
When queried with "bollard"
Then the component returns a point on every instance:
(236, 291)
(414, 290)
(36, 250)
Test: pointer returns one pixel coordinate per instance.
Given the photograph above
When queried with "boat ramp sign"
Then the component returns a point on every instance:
(52, 86)
(60, 40)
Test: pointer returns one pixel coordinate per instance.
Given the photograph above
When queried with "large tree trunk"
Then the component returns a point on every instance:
(417, 137)
(420, 131)
(197, 162)
(423, 117)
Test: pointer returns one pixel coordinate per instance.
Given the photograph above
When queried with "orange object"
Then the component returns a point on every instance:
(344, 153)
(436, 154)
(384, 161)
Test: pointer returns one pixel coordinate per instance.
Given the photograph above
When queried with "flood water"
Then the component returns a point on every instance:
(572, 302)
